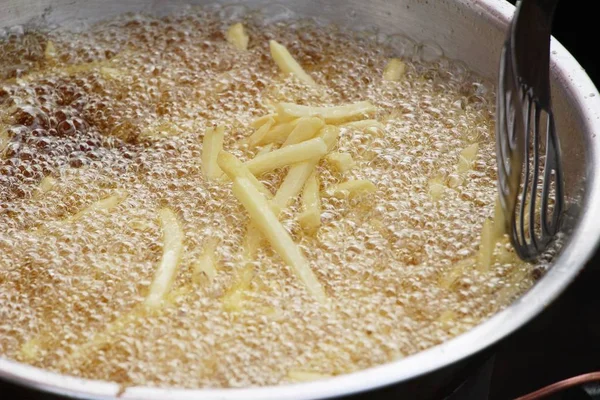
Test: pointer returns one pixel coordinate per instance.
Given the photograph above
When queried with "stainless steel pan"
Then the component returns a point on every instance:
(468, 30)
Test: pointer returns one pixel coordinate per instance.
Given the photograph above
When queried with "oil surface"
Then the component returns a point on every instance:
(121, 108)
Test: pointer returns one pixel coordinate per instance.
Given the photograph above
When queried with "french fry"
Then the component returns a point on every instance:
(486, 246)
(260, 121)
(232, 300)
(436, 188)
(292, 154)
(499, 222)
(252, 241)
(205, 267)
(351, 188)
(299, 173)
(258, 135)
(172, 250)
(265, 149)
(267, 223)
(287, 64)
(466, 158)
(211, 147)
(341, 161)
(458, 269)
(50, 52)
(4, 139)
(305, 129)
(331, 115)
(297, 375)
(236, 167)
(394, 70)
(105, 204)
(310, 218)
(236, 35)
(279, 132)
(46, 185)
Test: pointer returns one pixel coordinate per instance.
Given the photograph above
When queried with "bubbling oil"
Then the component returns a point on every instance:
(122, 107)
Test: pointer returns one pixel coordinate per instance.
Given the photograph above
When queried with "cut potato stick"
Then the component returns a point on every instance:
(305, 376)
(292, 154)
(258, 136)
(4, 139)
(331, 115)
(394, 70)
(299, 173)
(352, 188)
(265, 149)
(267, 223)
(46, 185)
(236, 167)
(499, 222)
(211, 147)
(279, 132)
(237, 36)
(341, 161)
(172, 250)
(260, 121)
(50, 52)
(232, 300)
(305, 129)
(458, 269)
(105, 204)
(486, 246)
(205, 267)
(466, 158)
(252, 241)
(287, 64)
(310, 218)
(436, 188)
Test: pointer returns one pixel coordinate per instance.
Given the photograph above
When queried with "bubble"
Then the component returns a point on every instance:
(123, 108)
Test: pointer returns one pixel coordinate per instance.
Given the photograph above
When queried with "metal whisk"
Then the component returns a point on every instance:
(523, 109)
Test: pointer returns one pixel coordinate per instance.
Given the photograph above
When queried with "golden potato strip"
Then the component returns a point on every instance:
(279, 132)
(299, 173)
(258, 135)
(172, 250)
(265, 149)
(458, 269)
(297, 375)
(105, 204)
(211, 147)
(292, 154)
(394, 70)
(486, 246)
(232, 300)
(499, 222)
(287, 64)
(260, 121)
(236, 35)
(436, 188)
(341, 161)
(205, 267)
(467, 157)
(310, 218)
(46, 185)
(236, 167)
(352, 188)
(4, 139)
(50, 52)
(267, 223)
(252, 241)
(331, 115)
(306, 128)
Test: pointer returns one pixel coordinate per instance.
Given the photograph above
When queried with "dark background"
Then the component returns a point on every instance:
(564, 340)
